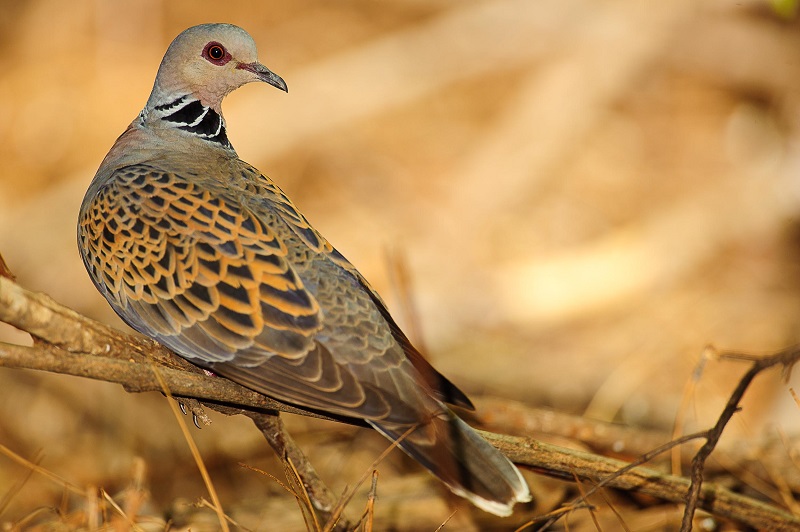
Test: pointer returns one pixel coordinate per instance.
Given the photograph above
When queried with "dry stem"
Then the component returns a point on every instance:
(73, 344)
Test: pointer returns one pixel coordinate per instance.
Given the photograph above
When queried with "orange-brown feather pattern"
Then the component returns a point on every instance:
(156, 239)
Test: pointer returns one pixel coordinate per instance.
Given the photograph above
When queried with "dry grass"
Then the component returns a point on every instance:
(586, 195)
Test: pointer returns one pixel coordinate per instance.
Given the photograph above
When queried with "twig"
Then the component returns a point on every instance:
(281, 441)
(626, 442)
(784, 358)
(686, 397)
(75, 345)
(368, 516)
(201, 466)
(512, 417)
(609, 480)
(348, 493)
(137, 377)
(4, 271)
(35, 467)
(563, 463)
(294, 487)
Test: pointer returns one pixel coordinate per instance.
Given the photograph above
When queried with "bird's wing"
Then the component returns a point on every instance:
(349, 280)
(179, 262)
(214, 282)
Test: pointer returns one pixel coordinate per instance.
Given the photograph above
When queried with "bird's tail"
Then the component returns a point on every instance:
(464, 461)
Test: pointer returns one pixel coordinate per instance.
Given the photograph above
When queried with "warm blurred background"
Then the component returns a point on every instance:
(581, 196)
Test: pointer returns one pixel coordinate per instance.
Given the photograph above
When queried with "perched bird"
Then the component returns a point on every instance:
(198, 250)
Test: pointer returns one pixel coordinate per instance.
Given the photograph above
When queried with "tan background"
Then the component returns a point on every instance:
(584, 194)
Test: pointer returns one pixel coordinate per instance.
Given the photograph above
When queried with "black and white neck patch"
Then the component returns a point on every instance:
(192, 116)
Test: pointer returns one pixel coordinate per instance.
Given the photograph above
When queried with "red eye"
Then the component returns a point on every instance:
(216, 53)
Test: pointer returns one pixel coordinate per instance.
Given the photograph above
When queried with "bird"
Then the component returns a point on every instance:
(200, 251)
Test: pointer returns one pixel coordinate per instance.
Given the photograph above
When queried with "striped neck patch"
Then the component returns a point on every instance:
(190, 115)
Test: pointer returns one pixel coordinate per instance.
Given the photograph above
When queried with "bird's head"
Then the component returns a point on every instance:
(209, 61)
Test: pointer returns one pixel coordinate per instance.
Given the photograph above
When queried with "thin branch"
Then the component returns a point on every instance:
(609, 480)
(201, 466)
(282, 442)
(563, 463)
(76, 345)
(138, 377)
(4, 271)
(514, 417)
(785, 358)
(73, 344)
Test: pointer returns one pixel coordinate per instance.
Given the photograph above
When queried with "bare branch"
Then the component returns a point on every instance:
(72, 344)
(563, 463)
(787, 359)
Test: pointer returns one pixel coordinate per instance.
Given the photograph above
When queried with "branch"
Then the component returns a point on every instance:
(787, 359)
(69, 343)
(73, 344)
(557, 461)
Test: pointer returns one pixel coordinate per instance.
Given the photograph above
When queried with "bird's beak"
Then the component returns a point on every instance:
(264, 74)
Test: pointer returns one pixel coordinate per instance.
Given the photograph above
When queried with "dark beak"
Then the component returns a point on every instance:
(264, 74)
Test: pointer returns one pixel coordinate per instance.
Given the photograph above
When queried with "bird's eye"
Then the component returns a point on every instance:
(216, 53)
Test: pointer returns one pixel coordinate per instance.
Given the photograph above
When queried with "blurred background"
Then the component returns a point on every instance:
(564, 203)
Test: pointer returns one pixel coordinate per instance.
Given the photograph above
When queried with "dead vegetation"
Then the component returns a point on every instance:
(585, 196)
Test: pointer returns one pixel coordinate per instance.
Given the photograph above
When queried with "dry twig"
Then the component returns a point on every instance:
(786, 358)
(563, 463)
(72, 344)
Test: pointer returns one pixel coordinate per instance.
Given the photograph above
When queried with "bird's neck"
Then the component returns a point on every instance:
(187, 114)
